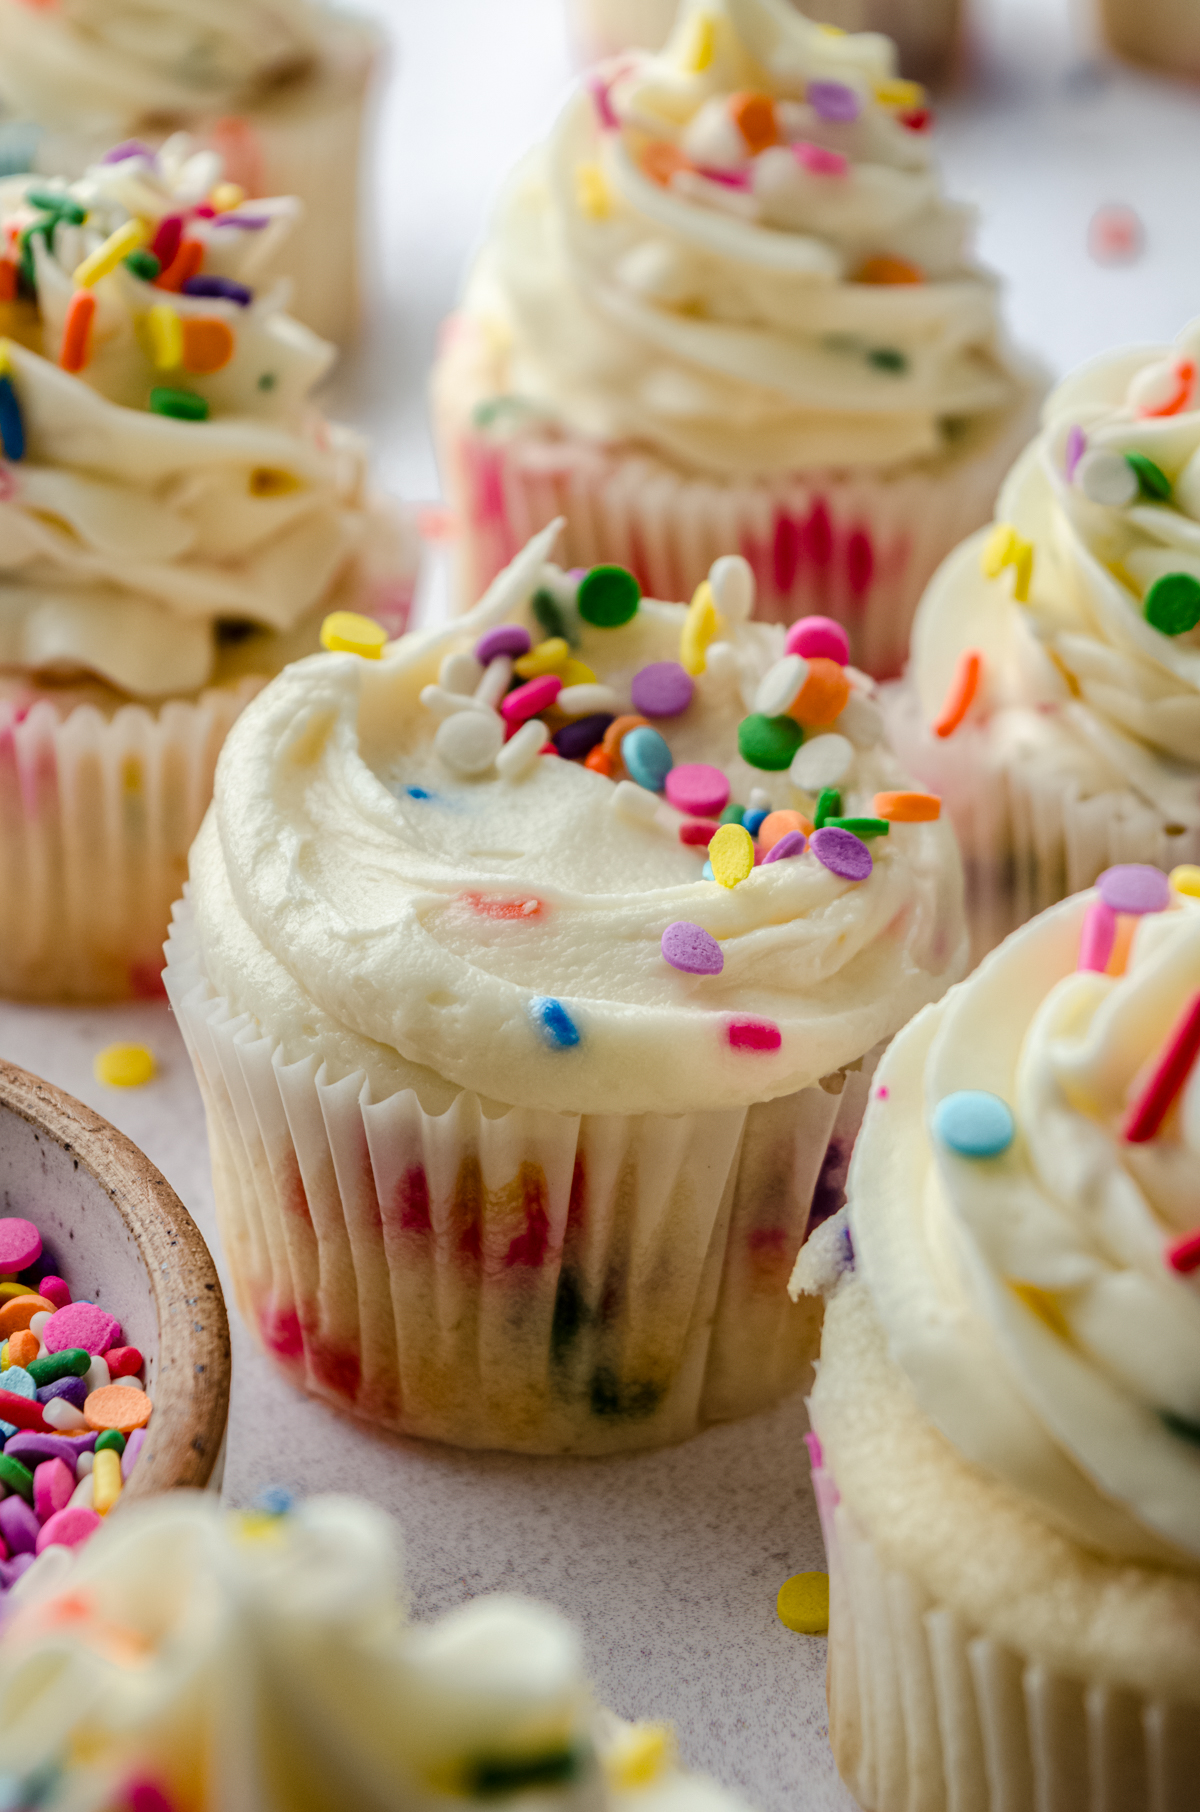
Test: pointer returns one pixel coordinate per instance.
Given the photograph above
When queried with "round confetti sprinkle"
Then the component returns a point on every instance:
(974, 1124)
(183, 405)
(20, 1243)
(692, 949)
(506, 638)
(731, 854)
(755, 818)
(802, 1603)
(469, 742)
(1172, 604)
(116, 1406)
(1186, 879)
(647, 757)
(822, 761)
(553, 1022)
(661, 689)
(1134, 887)
(753, 1035)
(578, 738)
(731, 579)
(823, 696)
(792, 844)
(698, 789)
(842, 853)
(768, 742)
(346, 632)
(780, 685)
(81, 1324)
(819, 637)
(608, 596)
(1107, 479)
(780, 824)
(733, 814)
(833, 101)
(124, 1066)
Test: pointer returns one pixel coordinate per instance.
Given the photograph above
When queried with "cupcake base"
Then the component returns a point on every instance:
(538, 1282)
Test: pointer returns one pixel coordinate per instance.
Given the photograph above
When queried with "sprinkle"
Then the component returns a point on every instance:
(1165, 1081)
(584, 699)
(598, 89)
(166, 336)
(548, 657)
(226, 289)
(886, 269)
(697, 788)
(553, 1022)
(1097, 938)
(12, 422)
(77, 331)
(599, 761)
(345, 632)
(124, 1066)
(1186, 879)
(534, 696)
(699, 629)
(662, 160)
(618, 729)
(1183, 1255)
(1152, 480)
(647, 758)
(506, 639)
(733, 814)
(592, 194)
(753, 1035)
(916, 119)
(20, 1245)
(143, 265)
(661, 689)
(1076, 448)
(1107, 479)
(700, 44)
(860, 827)
(699, 833)
(1172, 604)
(469, 742)
(551, 616)
(1134, 887)
(642, 1751)
(833, 101)
(115, 1406)
(802, 1603)
(167, 239)
(1004, 547)
(829, 805)
(489, 907)
(819, 636)
(520, 752)
(974, 1123)
(634, 802)
(841, 852)
(106, 257)
(581, 736)
(185, 264)
(781, 824)
(822, 761)
(823, 696)
(208, 344)
(754, 117)
(963, 687)
(896, 92)
(1043, 1304)
(227, 196)
(780, 685)
(907, 808)
(578, 673)
(887, 358)
(731, 854)
(1162, 389)
(692, 949)
(608, 597)
(1115, 235)
(731, 586)
(768, 742)
(182, 405)
(819, 161)
(755, 818)
(496, 680)
(793, 843)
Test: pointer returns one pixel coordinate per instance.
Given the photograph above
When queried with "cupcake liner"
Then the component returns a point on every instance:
(926, 1715)
(535, 1281)
(1029, 837)
(860, 548)
(96, 818)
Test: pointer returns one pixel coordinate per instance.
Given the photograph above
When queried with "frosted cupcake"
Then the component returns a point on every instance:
(516, 1115)
(1007, 1407)
(1053, 693)
(197, 1659)
(277, 87)
(725, 308)
(175, 523)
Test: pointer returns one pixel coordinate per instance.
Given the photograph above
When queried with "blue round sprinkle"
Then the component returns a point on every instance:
(553, 1022)
(974, 1123)
(706, 873)
(753, 821)
(276, 1500)
(417, 792)
(647, 758)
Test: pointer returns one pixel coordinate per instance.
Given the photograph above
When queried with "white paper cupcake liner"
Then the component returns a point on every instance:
(860, 548)
(541, 1282)
(927, 1715)
(96, 818)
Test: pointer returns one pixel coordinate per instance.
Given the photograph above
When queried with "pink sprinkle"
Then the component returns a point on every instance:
(820, 162)
(1098, 937)
(133, 1447)
(1167, 1078)
(729, 179)
(67, 1528)
(819, 637)
(598, 89)
(81, 1324)
(53, 1485)
(1183, 1255)
(698, 789)
(145, 1795)
(527, 700)
(55, 1290)
(754, 1035)
(20, 1243)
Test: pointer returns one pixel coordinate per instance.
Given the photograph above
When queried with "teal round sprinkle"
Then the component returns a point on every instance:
(1172, 604)
(768, 742)
(553, 1022)
(861, 827)
(647, 757)
(1152, 480)
(184, 405)
(887, 358)
(608, 596)
(143, 264)
(733, 814)
(829, 805)
(974, 1123)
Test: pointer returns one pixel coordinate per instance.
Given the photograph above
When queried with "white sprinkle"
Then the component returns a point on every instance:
(581, 701)
(1107, 479)
(128, 1384)
(37, 1322)
(460, 673)
(63, 1415)
(780, 685)
(732, 581)
(445, 704)
(84, 1490)
(635, 802)
(861, 721)
(720, 662)
(84, 1464)
(760, 800)
(496, 680)
(97, 1376)
(825, 761)
(470, 741)
(522, 750)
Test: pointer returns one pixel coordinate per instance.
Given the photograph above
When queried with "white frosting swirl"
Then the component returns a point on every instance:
(729, 315)
(1027, 1297)
(345, 880)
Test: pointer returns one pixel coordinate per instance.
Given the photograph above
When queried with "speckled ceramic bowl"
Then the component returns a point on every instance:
(113, 1227)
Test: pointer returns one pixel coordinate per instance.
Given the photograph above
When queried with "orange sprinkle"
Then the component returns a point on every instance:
(777, 824)
(77, 330)
(754, 117)
(23, 1347)
(186, 263)
(907, 808)
(823, 696)
(884, 268)
(619, 727)
(1118, 960)
(963, 688)
(19, 1311)
(115, 1407)
(661, 160)
(208, 343)
(600, 761)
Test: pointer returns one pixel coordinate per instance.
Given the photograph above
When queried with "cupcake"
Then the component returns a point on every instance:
(726, 309)
(276, 87)
(175, 523)
(516, 1115)
(1007, 1406)
(1053, 691)
(196, 1660)
(1161, 33)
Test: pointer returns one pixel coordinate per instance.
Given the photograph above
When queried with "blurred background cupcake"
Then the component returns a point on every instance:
(1165, 34)
(1053, 695)
(278, 87)
(175, 522)
(725, 308)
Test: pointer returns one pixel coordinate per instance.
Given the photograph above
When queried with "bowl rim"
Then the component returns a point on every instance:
(192, 1380)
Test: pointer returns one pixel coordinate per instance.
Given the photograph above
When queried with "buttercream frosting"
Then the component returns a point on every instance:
(737, 252)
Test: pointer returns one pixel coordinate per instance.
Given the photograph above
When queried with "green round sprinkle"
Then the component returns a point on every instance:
(887, 358)
(608, 596)
(1172, 603)
(1152, 480)
(16, 1477)
(829, 804)
(768, 742)
(733, 814)
(143, 264)
(862, 827)
(184, 405)
(112, 1437)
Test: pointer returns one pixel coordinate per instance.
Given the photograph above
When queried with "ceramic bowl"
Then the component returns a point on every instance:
(113, 1227)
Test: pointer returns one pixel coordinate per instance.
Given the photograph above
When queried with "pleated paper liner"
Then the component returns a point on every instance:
(537, 1281)
(860, 548)
(927, 1715)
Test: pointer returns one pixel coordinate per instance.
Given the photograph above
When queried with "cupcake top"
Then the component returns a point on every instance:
(171, 506)
(1080, 609)
(1024, 1205)
(131, 1666)
(103, 65)
(398, 867)
(737, 252)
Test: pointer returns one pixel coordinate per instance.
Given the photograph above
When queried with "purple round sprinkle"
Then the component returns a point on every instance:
(791, 845)
(834, 101)
(662, 689)
(692, 949)
(130, 147)
(249, 223)
(841, 852)
(1134, 887)
(506, 638)
(226, 289)
(579, 738)
(1076, 448)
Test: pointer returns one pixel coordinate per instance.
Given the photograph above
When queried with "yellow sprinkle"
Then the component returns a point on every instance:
(106, 257)
(227, 195)
(13, 1289)
(576, 673)
(1023, 562)
(731, 853)
(272, 481)
(998, 550)
(124, 1066)
(592, 192)
(802, 1603)
(345, 632)
(1042, 1304)
(699, 629)
(1186, 879)
(639, 1756)
(833, 31)
(260, 1526)
(700, 44)
(5, 361)
(106, 1474)
(166, 336)
(4, 1357)
(899, 94)
(550, 656)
